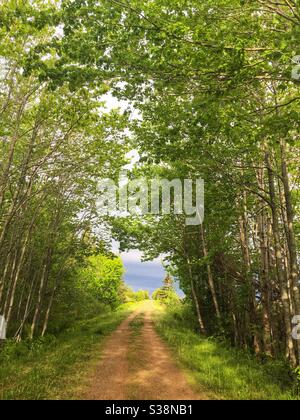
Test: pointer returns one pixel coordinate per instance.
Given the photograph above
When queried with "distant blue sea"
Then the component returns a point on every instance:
(146, 276)
(146, 282)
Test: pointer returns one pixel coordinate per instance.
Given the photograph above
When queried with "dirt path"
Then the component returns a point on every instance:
(137, 365)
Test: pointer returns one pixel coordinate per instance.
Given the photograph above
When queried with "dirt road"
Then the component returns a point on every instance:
(137, 365)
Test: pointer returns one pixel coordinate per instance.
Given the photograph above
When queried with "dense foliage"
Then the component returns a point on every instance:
(212, 95)
(54, 147)
(167, 293)
(213, 86)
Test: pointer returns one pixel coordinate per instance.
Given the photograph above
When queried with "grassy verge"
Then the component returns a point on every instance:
(136, 325)
(135, 355)
(224, 372)
(52, 368)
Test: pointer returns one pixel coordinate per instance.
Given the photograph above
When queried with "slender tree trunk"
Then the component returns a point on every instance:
(18, 334)
(292, 247)
(10, 282)
(197, 306)
(2, 287)
(16, 279)
(279, 264)
(48, 311)
(264, 274)
(39, 302)
(244, 240)
(287, 261)
(43, 284)
(211, 282)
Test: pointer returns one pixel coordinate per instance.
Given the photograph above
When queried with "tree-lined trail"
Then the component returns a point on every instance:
(199, 91)
(137, 365)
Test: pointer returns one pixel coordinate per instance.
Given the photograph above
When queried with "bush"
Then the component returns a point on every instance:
(130, 296)
(141, 295)
(224, 372)
(167, 296)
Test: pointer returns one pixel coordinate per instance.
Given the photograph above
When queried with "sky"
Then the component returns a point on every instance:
(138, 275)
(142, 275)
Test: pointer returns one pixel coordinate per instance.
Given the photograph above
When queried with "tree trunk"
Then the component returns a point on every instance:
(211, 282)
(264, 271)
(290, 349)
(292, 247)
(197, 306)
(48, 311)
(244, 240)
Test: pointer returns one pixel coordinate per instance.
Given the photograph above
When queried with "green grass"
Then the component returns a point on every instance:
(135, 354)
(221, 371)
(55, 367)
(136, 325)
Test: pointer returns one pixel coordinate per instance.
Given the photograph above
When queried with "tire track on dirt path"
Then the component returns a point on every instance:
(153, 373)
(109, 379)
(137, 365)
